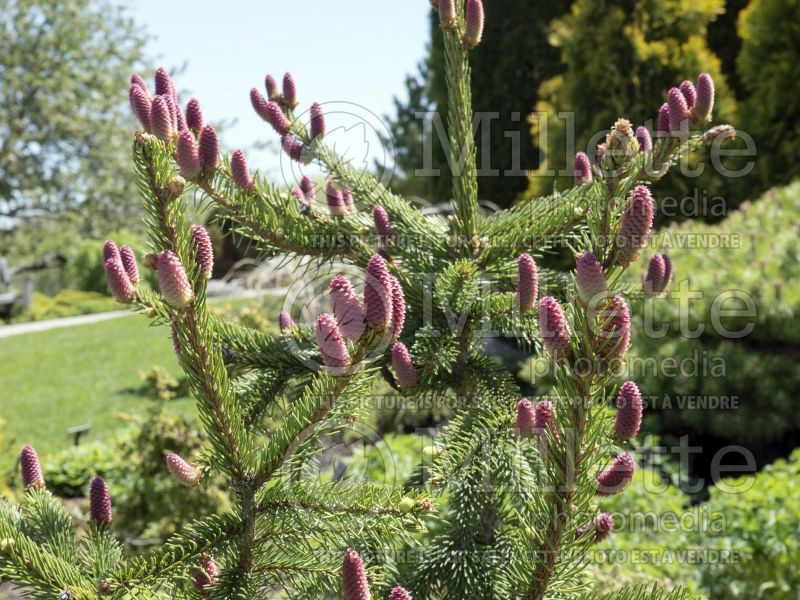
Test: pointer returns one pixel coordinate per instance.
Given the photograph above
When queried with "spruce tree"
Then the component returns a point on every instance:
(515, 483)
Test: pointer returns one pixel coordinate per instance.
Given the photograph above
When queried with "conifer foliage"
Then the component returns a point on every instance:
(515, 482)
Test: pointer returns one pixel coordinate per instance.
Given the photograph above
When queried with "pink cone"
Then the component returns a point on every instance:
(398, 307)
(289, 91)
(172, 279)
(271, 112)
(128, 258)
(705, 98)
(241, 172)
(629, 412)
(317, 121)
(527, 282)
(644, 139)
(140, 105)
(543, 419)
(590, 278)
(617, 477)
(99, 502)
(678, 111)
(602, 526)
(31, 468)
(273, 93)
(473, 23)
(204, 576)
(118, 281)
(187, 155)
(110, 251)
(403, 367)
(659, 274)
(582, 169)
(399, 593)
(164, 83)
(553, 325)
(354, 577)
(378, 294)
(447, 13)
(635, 226)
(663, 119)
(383, 224)
(204, 250)
(331, 344)
(209, 148)
(295, 149)
(285, 321)
(181, 471)
(689, 93)
(307, 187)
(161, 119)
(347, 307)
(336, 205)
(615, 332)
(525, 418)
(194, 116)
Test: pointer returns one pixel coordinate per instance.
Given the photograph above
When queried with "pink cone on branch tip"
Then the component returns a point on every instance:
(678, 111)
(524, 422)
(378, 294)
(307, 187)
(616, 477)
(182, 471)
(644, 139)
(140, 105)
(635, 226)
(99, 502)
(271, 112)
(164, 83)
(629, 412)
(582, 169)
(194, 116)
(399, 593)
(204, 250)
(317, 120)
(273, 93)
(601, 526)
(330, 341)
(615, 332)
(289, 91)
(590, 278)
(346, 307)
(209, 148)
(187, 155)
(383, 224)
(447, 13)
(403, 367)
(354, 577)
(704, 105)
(285, 321)
(241, 172)
(161, 119)
(473, 23)
(137, 80)
(663, 119)
(333, 196)
(172, 279)
(659, 274)
(31, 468)
(173, 111)
(205, 575)
(298, 194)
(128, 257)
(543, 419)
(295, 149)
(118, 281)
(527, 282)
(110, 251)
(689, 94)
(553, 325)
(398, 307)
(347, 198)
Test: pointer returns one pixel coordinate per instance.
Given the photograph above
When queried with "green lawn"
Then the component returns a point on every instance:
(87, 374)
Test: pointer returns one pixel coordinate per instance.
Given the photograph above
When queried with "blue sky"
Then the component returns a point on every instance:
(352, 51)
